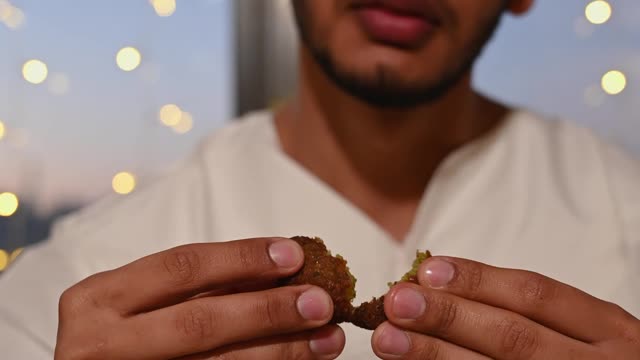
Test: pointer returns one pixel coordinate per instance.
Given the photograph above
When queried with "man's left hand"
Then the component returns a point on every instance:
(467, 310)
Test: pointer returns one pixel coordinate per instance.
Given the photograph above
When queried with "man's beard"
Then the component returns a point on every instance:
(383, 90)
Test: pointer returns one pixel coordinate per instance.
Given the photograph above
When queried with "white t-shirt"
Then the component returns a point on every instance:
(535, 194)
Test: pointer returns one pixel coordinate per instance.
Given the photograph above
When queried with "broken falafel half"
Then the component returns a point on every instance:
(332, 274)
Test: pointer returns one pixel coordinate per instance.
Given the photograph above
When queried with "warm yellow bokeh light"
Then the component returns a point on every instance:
(598, 12)
(14, 254)
(4, 260)
(35, 71)
(15, 19)
(124, 183)
(164, 7)
(128, 58)
(185, 125)
(3, 130)
(170, 115)
(614, 82)
(8, 204)
(5, 10)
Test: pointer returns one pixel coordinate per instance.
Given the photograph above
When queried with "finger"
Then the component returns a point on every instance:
(206, 324)
(324, 344)
(390, 342)
(539, 298)
(494, 332)
(177, 274)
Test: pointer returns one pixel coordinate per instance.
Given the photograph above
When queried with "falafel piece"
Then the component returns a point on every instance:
(332, 274)
(328, 272)
(370, 315)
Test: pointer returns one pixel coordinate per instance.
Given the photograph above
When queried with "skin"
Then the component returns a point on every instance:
(211, 301)
(200, 301)
(467, 310)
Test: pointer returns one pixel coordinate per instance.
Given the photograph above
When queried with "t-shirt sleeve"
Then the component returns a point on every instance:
(29, 293)
(624, 175)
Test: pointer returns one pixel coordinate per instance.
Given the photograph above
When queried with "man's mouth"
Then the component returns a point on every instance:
(402, 23)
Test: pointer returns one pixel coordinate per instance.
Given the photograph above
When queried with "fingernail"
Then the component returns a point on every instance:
(286, 253)
(408, 303)
(326, 342)
(438, 273)
(393, 341)
(314, 304)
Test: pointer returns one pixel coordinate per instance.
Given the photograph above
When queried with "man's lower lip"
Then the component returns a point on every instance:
(389, 27)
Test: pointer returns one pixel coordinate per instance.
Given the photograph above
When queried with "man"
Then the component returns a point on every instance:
(384, 149)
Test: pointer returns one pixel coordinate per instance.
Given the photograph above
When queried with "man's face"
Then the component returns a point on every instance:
(396, 53)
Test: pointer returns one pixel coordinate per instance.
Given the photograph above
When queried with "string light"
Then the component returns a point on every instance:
(4, 260)
(13, 17)
(3, 130)
(598, 12)
(128, 58)
(170, 115)
(164, 8)
(614, 82)
(35, 71)
(6, 9)
(8, 204)
(185, 124)
(124, 183)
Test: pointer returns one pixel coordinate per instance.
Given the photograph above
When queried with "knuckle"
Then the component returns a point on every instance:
(429, 350)
(78, 298)
(536, 291)
(183, 265)
(473, 280)
(448, 312)
(89, 350)
(272, 311)
(295, 351)
(249, 255)
(518, 341)
(196, 323)
(628, 325)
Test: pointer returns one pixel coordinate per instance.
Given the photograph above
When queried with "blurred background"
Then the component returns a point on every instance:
(98, 98)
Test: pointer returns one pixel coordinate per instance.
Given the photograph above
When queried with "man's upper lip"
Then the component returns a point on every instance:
(421, 8)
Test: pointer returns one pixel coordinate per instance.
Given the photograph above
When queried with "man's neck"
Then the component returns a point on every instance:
(380, 160)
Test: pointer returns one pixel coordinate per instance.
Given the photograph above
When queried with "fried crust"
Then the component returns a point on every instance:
(332, 274)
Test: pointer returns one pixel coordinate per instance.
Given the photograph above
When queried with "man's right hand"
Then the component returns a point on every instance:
(185, 303)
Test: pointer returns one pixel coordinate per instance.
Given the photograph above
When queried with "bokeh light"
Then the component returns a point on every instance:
(3, 130)
(614, 82)
(598, 12)
(6, 9)
(15, 20)
(11, 16)
(8, 204)
(4, 259)
(128, 58)
(170, 115)
(124, 183)
(164, 7)
(185, 125)
(35, 71)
